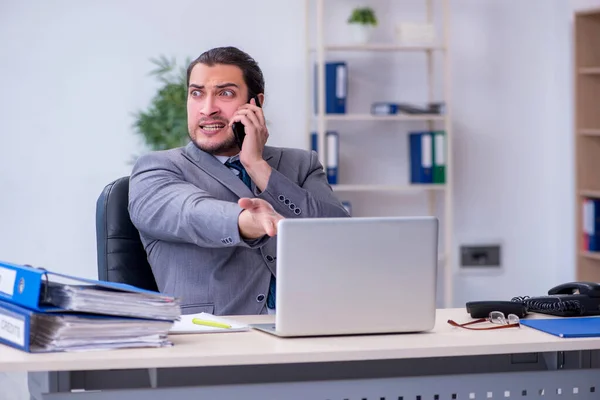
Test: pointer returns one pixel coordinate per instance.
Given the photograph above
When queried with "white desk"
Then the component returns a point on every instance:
(447, 362)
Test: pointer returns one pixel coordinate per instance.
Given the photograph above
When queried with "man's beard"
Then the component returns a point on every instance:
(217, 148)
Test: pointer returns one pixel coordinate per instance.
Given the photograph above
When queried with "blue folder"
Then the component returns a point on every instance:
(567, 327)
(30, 287)
(37, 331)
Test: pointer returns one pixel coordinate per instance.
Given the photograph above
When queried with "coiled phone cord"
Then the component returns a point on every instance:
(534, 304)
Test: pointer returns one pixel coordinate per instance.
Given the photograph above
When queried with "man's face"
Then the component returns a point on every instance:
(214, 95)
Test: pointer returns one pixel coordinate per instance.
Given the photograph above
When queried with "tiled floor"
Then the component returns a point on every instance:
(14, 386)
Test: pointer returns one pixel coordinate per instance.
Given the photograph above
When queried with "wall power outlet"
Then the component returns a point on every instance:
(487, 255)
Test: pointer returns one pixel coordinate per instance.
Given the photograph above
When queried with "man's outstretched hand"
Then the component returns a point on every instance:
(257, 219)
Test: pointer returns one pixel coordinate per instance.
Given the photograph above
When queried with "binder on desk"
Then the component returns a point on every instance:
(567, 327)
(49, 292)
(40, 332)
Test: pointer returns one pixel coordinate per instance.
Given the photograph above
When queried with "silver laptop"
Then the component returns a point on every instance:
(345, 276)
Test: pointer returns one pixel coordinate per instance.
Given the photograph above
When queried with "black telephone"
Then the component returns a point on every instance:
(238, 128)
(566, 300)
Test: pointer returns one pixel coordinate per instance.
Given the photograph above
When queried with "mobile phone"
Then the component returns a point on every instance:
(238, 128)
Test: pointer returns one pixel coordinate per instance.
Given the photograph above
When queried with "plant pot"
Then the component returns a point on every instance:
(361, 34)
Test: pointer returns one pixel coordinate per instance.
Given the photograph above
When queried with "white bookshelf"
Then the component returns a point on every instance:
(387, 188)
(378, 47)
(369, 117)
(318, 47)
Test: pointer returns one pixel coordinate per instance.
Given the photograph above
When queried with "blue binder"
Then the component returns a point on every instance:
(566, 327)
(314, 141)
(591, 224)
(421, 157)
(27, 286)
(17, 324)
(332, 159)
(336, 87)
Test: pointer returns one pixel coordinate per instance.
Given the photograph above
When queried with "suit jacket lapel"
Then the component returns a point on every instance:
(271, 156)
(213, 167)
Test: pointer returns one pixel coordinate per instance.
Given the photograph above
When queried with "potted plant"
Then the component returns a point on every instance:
(163, 125)
(362, 22)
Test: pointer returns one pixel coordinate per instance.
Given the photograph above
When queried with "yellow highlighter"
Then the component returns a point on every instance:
(204, 322)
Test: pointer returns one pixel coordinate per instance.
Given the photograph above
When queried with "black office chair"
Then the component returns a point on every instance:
(121, 255)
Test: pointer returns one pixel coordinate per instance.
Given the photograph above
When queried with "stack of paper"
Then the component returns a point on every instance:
(47, 332)
(82, 332)
(107, 301)
(41, 311)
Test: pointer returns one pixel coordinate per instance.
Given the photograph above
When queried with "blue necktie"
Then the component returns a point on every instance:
(246, 179)
(243, 174)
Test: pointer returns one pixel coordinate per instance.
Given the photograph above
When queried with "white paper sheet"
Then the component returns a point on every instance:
(185, 325)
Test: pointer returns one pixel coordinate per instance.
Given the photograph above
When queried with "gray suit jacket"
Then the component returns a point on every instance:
(184, 203)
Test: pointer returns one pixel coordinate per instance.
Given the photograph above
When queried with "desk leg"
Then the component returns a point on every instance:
(40, 383)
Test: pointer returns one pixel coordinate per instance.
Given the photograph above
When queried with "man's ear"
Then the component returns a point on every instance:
(261, 97)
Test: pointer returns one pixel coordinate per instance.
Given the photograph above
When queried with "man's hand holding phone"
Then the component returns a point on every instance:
(251, 116)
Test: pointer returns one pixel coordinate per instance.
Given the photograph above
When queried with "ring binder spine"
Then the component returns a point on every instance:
(44, 297)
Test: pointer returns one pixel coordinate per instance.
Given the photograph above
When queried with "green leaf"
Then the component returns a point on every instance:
(163, 124)
(363, 15)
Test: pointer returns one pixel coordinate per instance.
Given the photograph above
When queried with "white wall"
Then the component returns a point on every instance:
(512, 111)
(584, 4)
(70, 83)
(71, 75)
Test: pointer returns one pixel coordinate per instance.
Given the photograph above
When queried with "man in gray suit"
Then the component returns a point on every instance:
(207, 212)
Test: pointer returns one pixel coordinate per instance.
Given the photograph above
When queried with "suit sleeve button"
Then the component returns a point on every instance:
(281, 197)
(260, 297)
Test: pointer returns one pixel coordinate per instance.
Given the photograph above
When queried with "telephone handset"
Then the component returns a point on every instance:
(238, 128)
(590, 289)
(566, 300)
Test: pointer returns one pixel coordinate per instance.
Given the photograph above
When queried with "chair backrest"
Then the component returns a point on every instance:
(121, 255)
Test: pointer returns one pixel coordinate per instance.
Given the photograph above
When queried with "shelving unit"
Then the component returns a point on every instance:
(369, 117)
(387, 188)
(587, 132)
(433, 192)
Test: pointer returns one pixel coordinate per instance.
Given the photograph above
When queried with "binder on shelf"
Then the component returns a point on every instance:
(314, 141)
(41, 332)
(336, 87)
(421, 160)
(49, 292)
(332, 159)
(382, 108)
(591, 224)
(439, 157)
(585, 231)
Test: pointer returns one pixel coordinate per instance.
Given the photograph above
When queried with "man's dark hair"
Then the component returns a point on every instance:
(253, 76)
